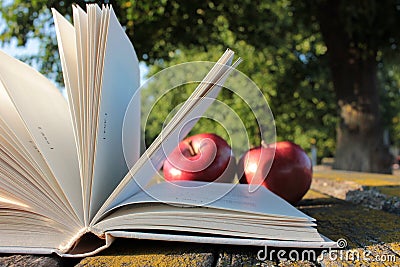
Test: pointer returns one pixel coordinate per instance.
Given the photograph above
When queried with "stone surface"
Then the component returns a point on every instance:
(333, 187)
(30, 261)
(239, 256)
(359, 178)
(374, 198)
(372, 237)
(369, 234)
(377, 191)
(127, 252)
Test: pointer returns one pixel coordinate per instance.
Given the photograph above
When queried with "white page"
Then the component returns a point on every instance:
(223, 240)
(45, 114)
(151, 161)
(120, 83)
(11, 157)
(214, 227)
(20, 169)
(148, 164)
(95, 70)
(235, 197)
(13, 123)
(72, 51)
(24, 229)
(19, 179)
(69, 63)
(81, 32)
(206, 220)
(94, 17)
(161, 210)
(167, 217)
(97, 20)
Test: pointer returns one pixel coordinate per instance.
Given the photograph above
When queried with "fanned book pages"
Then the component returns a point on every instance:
(63, 173)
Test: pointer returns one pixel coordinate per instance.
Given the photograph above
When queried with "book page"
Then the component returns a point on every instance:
(45, 115)
(24, 230)
(153, 210)
(215, 221)
(120, 83)
(81, 32)
(67, 46)
(24, 172)
(20, 180)
(233, 197)
(221, 240)
(212, 226)
(95, 21)
(149, 163)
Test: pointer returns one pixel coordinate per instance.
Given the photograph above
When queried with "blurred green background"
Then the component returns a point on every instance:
(330, 70)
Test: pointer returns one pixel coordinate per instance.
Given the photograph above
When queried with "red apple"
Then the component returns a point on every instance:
(202, 157)
(288, 174)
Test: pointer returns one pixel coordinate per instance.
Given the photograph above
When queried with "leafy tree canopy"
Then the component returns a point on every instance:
(280, 42)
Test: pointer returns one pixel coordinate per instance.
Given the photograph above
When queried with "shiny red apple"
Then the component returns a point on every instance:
(283, 167)
(203, 157)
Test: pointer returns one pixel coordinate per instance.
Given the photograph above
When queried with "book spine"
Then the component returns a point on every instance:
(64, 248)
(79, 250)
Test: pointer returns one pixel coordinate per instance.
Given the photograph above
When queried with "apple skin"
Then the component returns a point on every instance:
(290, 172)
(202, 157)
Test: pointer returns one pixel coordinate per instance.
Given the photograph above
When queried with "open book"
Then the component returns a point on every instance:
(66, 185)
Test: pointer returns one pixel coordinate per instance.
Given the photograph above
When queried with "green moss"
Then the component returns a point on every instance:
(365, 179)
(392, 191)
(131, 252)
(312, 194)
(360, 226)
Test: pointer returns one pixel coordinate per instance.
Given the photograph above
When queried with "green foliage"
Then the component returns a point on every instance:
(33, 19)
(389, 75)
(280, 42)
(287, 63)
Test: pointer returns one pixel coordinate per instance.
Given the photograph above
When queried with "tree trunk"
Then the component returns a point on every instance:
(359, 144)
